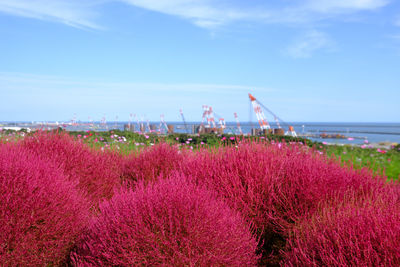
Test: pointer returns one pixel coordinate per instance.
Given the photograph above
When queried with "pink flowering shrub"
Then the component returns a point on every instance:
(41, 213)
(362, 232)
(274, 185)
(151, 162)
(171, 222)
(97, 172)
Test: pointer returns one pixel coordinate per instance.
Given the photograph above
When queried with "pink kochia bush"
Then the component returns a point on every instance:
(171, 222)
(96, 172)
(274, 185)
(362, 232)
(41, 213)
(150, 163)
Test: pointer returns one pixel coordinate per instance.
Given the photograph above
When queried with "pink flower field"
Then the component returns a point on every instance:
(247, 203)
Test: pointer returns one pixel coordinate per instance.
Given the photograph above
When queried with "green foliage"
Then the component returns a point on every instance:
(379, 160)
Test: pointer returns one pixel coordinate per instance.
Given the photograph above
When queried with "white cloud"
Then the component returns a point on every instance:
(339, 6)
(212, 13)
(79, 14)
(309, 43)
(202, 13)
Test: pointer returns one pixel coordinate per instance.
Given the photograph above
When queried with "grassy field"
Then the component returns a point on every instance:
(379, 160)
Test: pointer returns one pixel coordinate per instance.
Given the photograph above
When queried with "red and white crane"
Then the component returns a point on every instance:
(204, 118)
(210, 118)
(184, 121)
(262, 120)
(238, 123)
(163, 123)
(257, 105)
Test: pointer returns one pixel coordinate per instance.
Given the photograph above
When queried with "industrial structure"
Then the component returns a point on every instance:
(211, 123)
(262, 120)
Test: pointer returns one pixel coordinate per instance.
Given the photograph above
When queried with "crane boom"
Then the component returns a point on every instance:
(184, 121)
(262, 121)
(261, 117)
(238, 123)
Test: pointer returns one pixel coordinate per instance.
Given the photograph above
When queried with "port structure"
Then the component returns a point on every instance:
(163, 124)
(184, 121)
(209, 117)
(264, 125)
(262, 120)
(238, 123)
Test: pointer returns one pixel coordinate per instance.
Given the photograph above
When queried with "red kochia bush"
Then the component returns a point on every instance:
(97, 172)
(41, 213)
(275, 183)
(150, 163)
(358, 233)
(171, 222)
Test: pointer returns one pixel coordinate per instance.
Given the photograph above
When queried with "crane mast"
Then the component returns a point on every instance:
(184, 121)
(238, 123)
(261, 117)
(262, 120)
(163, 123)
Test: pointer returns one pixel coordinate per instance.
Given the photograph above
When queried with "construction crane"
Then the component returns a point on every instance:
(184, 121)
(222, 123)
(210, 118)
(163, 123)
(138, 123)
(261, 117)
(204, 117)
(208, 115)
(238, 123)
(262, 120)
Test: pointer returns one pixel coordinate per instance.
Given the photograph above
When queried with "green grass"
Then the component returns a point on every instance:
(387, 162)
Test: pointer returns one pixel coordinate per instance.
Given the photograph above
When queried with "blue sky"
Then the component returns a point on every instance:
(311, 60)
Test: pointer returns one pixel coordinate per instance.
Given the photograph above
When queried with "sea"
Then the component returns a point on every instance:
(329, 132)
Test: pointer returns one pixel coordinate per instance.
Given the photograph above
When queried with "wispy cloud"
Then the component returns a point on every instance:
(79, 14)
(207, 14)
(343, 6)
(309, 43)
(213, 13)
(202, 13)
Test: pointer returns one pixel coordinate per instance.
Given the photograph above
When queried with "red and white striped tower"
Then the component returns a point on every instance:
(238, 123)
(262, 121)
